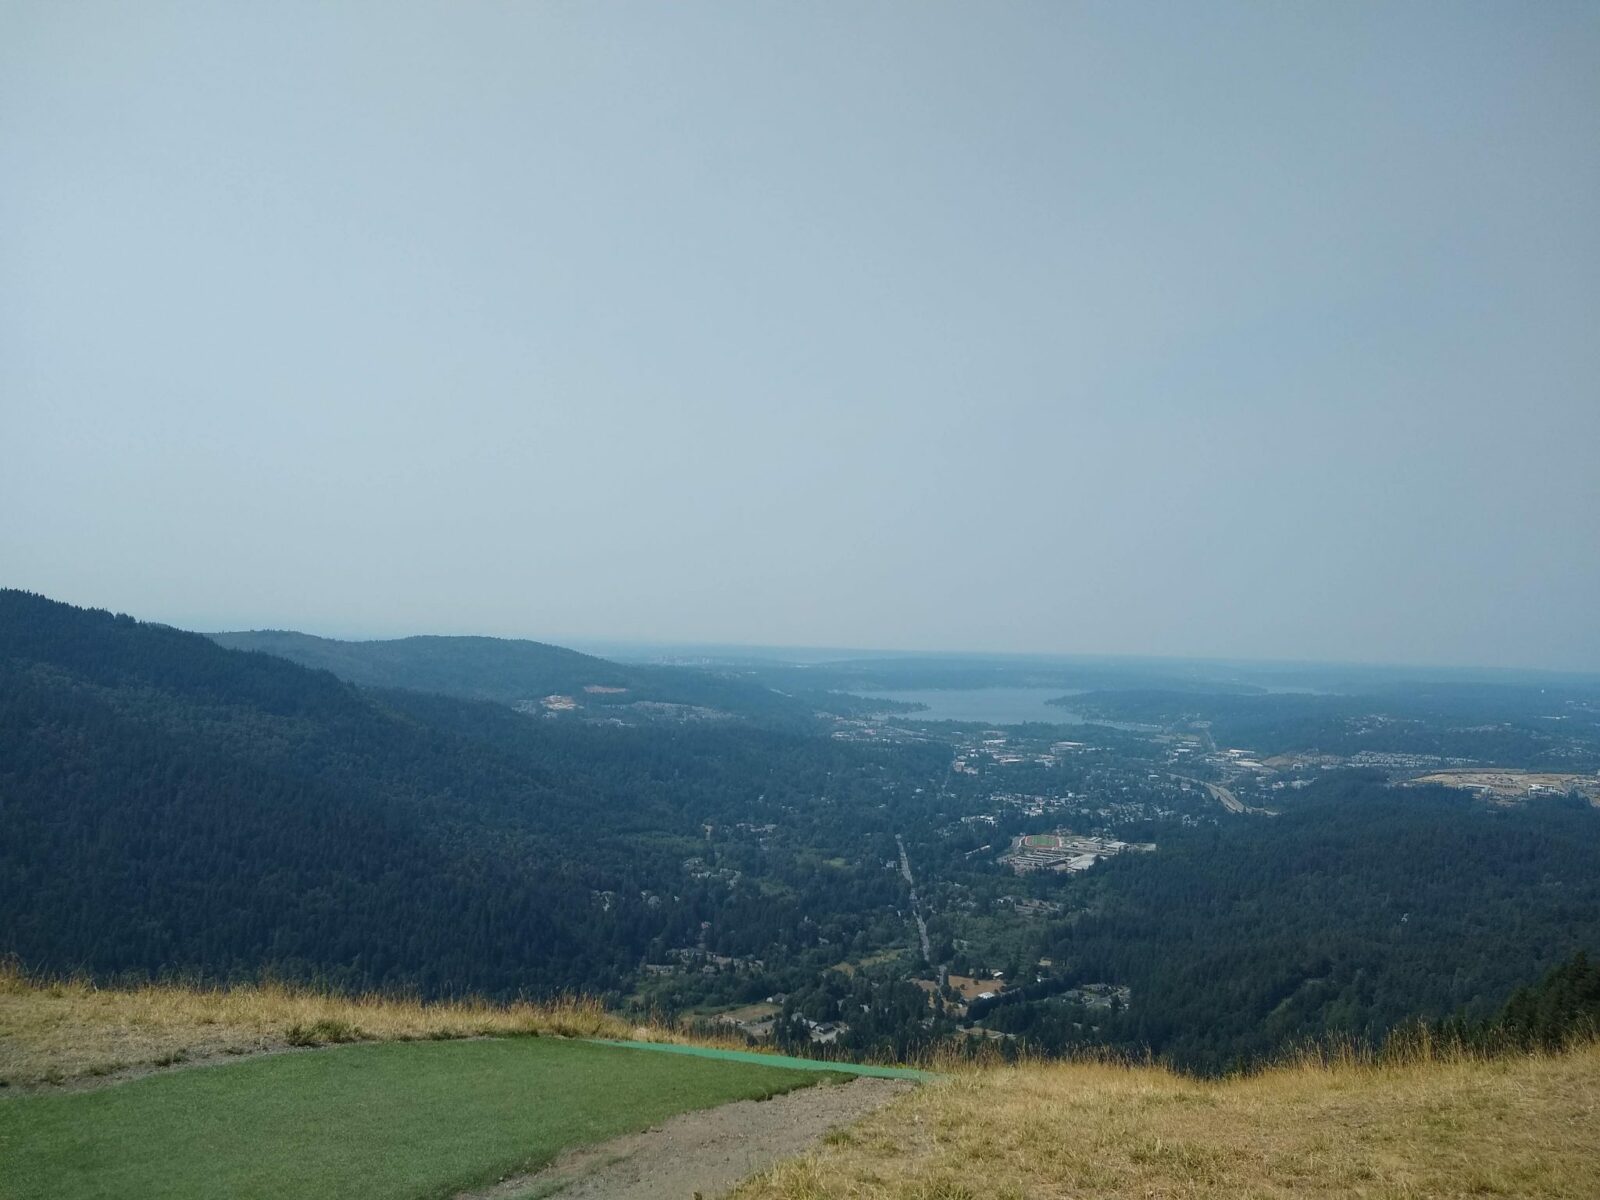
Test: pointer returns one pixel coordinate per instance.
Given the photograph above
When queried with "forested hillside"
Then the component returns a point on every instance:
(171, 806)
(1347, 915)
(522, 672)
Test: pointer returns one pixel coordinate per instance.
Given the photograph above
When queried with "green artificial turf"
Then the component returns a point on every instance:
(418, 1119)
(773, 1060)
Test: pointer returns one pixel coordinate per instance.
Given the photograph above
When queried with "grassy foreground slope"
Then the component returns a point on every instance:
(421, 1116)
(60, 1031)
(1517, 1126)
(398, 1121)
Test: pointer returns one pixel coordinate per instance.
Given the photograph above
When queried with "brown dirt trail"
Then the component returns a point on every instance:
(702, 1154)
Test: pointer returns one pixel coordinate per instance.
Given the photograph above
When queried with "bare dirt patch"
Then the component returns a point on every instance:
(704, 1153)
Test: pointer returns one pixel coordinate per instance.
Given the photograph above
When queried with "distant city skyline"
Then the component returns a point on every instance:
(1224, 331)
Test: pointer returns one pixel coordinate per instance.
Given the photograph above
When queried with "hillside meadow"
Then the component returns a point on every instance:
(1431, 1122)
(61, 1031)
(1441, 1125)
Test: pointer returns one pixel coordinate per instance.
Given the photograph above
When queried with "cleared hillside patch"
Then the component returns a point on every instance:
(369, 1122)
(1517, 1126)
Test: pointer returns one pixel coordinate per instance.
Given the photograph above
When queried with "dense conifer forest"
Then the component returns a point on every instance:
(521, 672)
(1347, 915)
(173, 807)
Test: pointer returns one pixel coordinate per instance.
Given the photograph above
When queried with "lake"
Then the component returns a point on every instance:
(990, 706)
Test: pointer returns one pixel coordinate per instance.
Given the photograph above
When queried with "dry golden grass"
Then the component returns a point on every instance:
(1427, 1122)
(1450, 1126)
(57, 1031)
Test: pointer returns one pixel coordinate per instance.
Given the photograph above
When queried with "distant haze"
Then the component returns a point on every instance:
(1266, 330)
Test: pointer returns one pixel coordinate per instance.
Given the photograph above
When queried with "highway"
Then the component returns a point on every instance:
(916, 905)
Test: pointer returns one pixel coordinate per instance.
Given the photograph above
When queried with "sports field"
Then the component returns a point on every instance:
(364, 1122)
(1042, 841)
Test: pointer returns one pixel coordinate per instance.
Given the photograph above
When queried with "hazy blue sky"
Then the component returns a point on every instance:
(1261, 330)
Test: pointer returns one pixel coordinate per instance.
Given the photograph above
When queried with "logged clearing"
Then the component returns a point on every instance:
(970, 987)
(1506, 784)
(1513, 1127)
(74, 1032)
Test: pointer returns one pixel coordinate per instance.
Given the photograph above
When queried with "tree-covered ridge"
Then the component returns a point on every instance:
(485, 668)
(513, 671)
(171, 806)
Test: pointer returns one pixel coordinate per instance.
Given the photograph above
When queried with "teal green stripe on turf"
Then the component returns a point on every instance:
(774, 1060)
(395, 1121)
